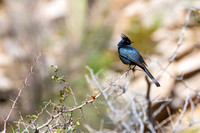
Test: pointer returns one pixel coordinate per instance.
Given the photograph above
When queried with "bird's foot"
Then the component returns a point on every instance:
(127, 71)
(133, 69)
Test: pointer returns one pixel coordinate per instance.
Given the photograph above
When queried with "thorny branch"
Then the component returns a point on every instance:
(38, 128)
(38, 115)
(25, 84)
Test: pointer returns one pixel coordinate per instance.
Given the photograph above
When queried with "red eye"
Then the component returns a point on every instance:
(127, 41)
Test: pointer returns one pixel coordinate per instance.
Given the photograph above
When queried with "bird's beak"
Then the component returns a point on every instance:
(132, 42)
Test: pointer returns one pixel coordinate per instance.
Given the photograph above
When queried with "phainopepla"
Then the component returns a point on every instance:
(129, 55)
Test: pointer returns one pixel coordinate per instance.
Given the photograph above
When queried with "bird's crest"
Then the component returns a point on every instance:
(125, 37)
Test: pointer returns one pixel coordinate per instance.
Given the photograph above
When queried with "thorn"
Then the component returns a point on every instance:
(27, 85)
(12, 100)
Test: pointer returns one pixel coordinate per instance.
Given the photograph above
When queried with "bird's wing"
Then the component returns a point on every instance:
(143, 60)
(133, 56)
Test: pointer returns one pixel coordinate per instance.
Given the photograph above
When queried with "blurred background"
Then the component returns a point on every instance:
(76, 33)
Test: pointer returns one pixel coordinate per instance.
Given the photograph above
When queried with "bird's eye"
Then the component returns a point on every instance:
(127, 41)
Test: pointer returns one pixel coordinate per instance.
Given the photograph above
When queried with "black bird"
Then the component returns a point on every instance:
(129, 55)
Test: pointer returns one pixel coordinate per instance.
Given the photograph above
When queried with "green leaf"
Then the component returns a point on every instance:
(54, 108)
(55, 67)
(28, 116)
(61, 99)
(63, 79)
(55, 78)
(61, 93)
(34, 116)
(66, 89)
(77, 123)
(71, 128)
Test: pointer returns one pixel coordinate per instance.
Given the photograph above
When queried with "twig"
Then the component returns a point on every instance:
(134, 111)
(160, 109)
(181, 115)
(106, 96)
(33, 122)
(84, 103)
(96, 109)
(179, 43)
(25, 83)
(73, 95)
(164, 122)
(149, 107)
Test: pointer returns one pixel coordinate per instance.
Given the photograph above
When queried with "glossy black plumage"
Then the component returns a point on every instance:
(130, 56)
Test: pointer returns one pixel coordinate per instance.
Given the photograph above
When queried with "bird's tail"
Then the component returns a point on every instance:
(152, 78)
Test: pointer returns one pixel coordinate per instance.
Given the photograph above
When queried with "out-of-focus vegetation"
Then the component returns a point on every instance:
(142, 36)
(76, 33)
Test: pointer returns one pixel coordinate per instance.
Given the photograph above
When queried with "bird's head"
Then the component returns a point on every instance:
(125, 40)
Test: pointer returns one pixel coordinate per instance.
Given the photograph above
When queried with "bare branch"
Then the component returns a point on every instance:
(181, 115)
(20, 91)
(149, 107)
(180, 41)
